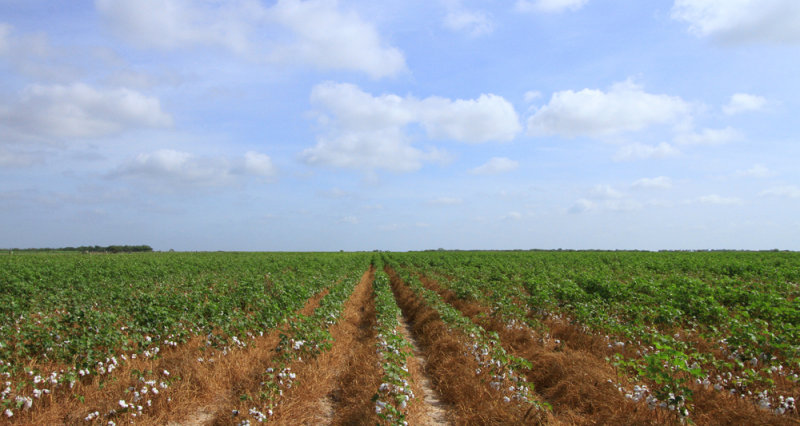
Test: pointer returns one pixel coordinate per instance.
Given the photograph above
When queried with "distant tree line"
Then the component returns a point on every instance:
(95, 249)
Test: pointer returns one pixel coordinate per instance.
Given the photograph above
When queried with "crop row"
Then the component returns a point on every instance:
(658, 321)
(72, 318)
(306, 337)
(394, 394)
(501, 369)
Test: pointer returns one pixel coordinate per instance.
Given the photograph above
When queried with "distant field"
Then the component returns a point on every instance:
(420, 337)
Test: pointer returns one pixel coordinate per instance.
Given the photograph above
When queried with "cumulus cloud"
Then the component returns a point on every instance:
(757, 171)
(660, 182)
(638, 151)
(488, 118)
(316, 32)
(258, 164)
(369, 132)
(741, 21)
(512, 215)
(183, 168)
(742, 102)
(785, 191)
(473, 22)
(170, 24)
(709, 137)
(625, 107)
(532, 95)
(495, 165)
(549, 6)
(79, 111)
(604, 192)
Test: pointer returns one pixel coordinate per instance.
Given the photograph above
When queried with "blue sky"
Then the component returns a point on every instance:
(356, 125)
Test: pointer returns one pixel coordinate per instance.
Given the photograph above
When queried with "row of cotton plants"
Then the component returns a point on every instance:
(305, 338)
(502, 370)
(394, 393)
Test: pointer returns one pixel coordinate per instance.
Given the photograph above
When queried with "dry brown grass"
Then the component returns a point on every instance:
(452, 371)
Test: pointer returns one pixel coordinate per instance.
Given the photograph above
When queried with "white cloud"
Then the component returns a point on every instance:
(757, 171)
(172, 24)
(718, 200)
(80, 111)
(604, 192)
(369, 132)
(495, 165)
(475, 23)
(709, 137)
(446, 201)
(319, 34)
(638, 151)
(741, 21)
(366, 150)
(182, 168)
(258, 164)
(488, 118)
(660, 182)
(625, 107)
(328, 38)
(549, 6)
(742, 102)
(532, 95)
(786, 191)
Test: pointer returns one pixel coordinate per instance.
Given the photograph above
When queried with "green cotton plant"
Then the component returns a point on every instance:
(392, 397)
(669, 369)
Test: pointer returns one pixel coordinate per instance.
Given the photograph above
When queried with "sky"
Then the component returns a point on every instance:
(306, 125)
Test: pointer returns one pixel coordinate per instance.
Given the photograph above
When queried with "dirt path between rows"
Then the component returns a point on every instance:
(432, 410)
